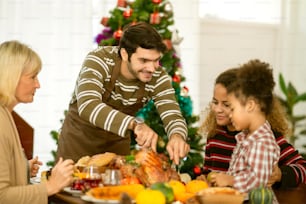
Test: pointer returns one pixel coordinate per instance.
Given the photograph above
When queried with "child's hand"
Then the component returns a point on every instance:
(221, 179)
(202, 177)
(34, 165)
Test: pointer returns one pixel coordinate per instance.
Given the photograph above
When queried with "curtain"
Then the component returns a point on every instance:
(293, 51)
(293, 42)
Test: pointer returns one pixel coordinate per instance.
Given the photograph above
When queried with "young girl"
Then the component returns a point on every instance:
(221, 137)
(250, 98)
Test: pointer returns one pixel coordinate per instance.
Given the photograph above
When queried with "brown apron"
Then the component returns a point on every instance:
(80, 138)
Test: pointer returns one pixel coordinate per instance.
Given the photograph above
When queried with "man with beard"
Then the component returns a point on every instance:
(113, 84)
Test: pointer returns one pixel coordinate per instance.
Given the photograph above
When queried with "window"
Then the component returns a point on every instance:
(261, 11)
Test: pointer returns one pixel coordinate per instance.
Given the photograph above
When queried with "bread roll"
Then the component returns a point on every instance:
(101, 159)
(83, 161)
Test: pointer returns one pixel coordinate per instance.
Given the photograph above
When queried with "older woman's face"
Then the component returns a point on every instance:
(27, 85)
(220, 105)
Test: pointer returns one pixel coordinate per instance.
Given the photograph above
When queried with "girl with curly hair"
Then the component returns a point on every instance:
(291, 168)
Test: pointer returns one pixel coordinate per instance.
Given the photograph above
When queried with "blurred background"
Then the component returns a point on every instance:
(216, 35)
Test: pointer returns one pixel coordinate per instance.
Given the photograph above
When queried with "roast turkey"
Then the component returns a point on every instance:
(153, 167)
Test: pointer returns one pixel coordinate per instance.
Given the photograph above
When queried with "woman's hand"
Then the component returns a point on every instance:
(61, 176)
(34, 165)
(276, 176)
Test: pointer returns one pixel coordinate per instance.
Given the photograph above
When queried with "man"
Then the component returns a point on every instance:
(113, 84)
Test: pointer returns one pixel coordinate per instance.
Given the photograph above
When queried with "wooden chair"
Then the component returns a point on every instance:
(26, 133)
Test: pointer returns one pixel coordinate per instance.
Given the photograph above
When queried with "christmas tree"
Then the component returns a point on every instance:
(159, 13)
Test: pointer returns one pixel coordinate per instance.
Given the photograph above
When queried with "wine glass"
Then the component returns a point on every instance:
(92, 177)
(112, 177)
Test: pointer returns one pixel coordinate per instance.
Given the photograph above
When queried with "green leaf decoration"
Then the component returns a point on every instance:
(282, 84)
(300, 97)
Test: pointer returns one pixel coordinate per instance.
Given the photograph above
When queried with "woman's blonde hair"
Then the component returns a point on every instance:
(15, 59)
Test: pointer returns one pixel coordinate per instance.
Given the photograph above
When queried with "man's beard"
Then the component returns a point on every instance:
(131, 70)
(136, 74)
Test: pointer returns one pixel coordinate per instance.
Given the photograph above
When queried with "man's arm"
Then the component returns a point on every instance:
(89, 88)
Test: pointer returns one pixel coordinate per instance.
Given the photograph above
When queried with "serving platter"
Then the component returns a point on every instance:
(221, 195)
(89, 198)
(76, 193)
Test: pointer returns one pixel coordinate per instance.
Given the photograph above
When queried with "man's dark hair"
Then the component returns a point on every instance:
(140, 35)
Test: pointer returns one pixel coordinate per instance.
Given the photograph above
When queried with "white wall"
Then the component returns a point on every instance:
(61, 32)
(187, 22)
(226, 44)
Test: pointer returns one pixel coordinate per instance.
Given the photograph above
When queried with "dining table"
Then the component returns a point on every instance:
(284, 196)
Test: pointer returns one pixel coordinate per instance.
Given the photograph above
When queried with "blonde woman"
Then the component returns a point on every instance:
(19, 67)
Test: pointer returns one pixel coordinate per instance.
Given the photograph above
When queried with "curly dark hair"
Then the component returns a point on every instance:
(255, 80)
(141, 35)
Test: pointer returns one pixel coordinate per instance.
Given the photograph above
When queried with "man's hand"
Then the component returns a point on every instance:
(276, 175)
(145, 136)
(177, 148)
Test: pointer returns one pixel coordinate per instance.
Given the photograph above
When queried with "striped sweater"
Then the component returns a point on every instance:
(219, 149)
(90, 85)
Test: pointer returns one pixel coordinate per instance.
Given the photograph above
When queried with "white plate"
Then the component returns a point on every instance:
(76, 193)
(35, 180)
(98, 201)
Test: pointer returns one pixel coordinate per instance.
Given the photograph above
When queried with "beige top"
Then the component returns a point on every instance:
(14, 187)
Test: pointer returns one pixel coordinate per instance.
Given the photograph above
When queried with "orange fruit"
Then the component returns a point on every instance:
(166, 189)
(195, 186)
(177, 187)
(183, 197)
(149, 196)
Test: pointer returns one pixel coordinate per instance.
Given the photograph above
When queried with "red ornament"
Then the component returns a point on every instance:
(118, 34)
(197, 170)
(156, 1)
(121, 3)
(155, 18)
(186, 89)
(104, 21)
(127, 13)
(168, 44)
(176, 78)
